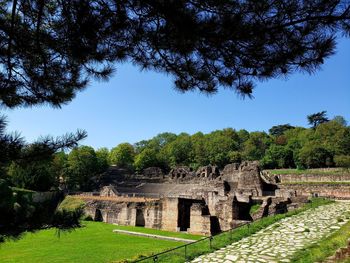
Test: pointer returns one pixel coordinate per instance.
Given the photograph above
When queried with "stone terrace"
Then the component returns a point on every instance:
(278, 242)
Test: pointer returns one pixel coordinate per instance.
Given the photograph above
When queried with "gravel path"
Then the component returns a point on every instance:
(279, 241)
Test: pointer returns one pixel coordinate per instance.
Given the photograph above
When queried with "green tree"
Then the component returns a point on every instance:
(52, 48)
(179, 151)
(342, 161)
(341, 120)
(235, 157)
(219, 143)
(243, 136)
(255, 146)
(277, 156)
(279, 130)
(333, 136)
(59, 166)
(315, 156)
(199, 153)
(102, 155)
(83, 165)
(37, 176)
(317, 118)
(122, 155)
(147, 158)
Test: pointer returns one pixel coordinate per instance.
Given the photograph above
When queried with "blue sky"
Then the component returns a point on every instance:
(136, 105)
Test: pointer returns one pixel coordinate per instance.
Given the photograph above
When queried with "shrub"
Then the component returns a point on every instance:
(65, 219)
(342, 161)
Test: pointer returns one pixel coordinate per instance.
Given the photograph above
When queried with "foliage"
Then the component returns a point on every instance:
(83, 165)
(52, 49)
(178, 152)
(279, 130)
(342, 161)
(67, 219)
(313, 156)
(255, 146)
(102, 155)
(36, 176)
(122, 155)
(147, 158)
(317, 118)
(296, 147)
(277, 157)
(341, 120)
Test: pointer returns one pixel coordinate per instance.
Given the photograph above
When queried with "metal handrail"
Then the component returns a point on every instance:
(210, 238)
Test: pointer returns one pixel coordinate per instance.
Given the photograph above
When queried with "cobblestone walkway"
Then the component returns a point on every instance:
(279, 241)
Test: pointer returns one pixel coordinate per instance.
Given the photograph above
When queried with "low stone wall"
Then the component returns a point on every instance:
(321, 190)
(287, 178)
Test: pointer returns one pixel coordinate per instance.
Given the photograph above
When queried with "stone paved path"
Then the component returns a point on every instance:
(279, 241)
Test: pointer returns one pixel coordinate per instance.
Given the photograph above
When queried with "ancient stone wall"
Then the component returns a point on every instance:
(322, 190)
(209, 172)
(287, 178)
(170, 214)
(249, 180)
(230, 172)
(199, 222)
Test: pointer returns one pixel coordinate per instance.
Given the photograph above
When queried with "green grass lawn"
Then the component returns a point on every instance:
(158, 232)
(94, 243)
(309, 171)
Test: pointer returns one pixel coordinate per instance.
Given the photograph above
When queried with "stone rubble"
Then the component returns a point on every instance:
(279, 241)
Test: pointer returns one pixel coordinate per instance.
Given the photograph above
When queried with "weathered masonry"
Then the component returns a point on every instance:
(203, 202)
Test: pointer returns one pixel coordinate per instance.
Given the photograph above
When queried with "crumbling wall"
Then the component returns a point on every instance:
(152, 172)
(170, 214)
(249, 180)
(338, 191)
(287, 178)
(209, 172)
(200, 221)
(230, 173)
(108, 191)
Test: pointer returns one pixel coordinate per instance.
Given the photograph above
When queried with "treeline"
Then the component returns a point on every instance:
(325, 144)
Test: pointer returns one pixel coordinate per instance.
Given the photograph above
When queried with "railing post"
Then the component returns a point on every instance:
(185, 252)
(210, 245)
(231, 234)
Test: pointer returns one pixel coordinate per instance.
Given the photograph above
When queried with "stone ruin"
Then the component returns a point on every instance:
(203, 202)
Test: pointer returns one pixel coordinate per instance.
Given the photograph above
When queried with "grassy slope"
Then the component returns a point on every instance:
(308, 171)
(94, 243)
(71, 203)
(325, 248)
(316, 183)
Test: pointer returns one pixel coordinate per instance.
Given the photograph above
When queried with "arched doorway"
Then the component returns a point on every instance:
(98, 216)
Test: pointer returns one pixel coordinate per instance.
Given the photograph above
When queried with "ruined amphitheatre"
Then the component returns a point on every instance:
(209, 201)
